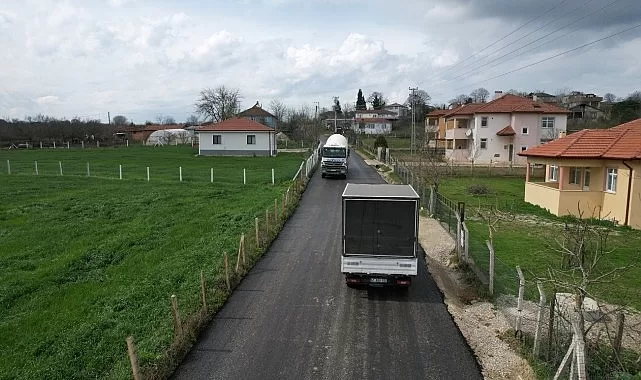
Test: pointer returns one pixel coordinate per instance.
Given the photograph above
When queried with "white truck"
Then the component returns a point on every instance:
(334, 156)
(380, 231)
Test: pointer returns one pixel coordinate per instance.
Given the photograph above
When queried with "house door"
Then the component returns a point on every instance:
(510, 152)
(586, 180)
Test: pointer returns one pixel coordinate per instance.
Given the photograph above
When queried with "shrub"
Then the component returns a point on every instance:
(478, 189)
(380, 141)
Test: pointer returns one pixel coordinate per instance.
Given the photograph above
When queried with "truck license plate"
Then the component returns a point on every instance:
(378, 280)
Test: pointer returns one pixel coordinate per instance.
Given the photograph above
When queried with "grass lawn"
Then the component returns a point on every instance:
(86, 262)
(529, 240)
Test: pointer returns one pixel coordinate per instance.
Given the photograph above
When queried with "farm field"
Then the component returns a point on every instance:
(86, 262)
(531, 239)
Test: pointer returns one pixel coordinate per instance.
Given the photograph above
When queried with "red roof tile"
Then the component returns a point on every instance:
(465, 109)
(622, 142)
(236, 124)
(256, 110)
(438, 113)
(512, 103)
(507, 131)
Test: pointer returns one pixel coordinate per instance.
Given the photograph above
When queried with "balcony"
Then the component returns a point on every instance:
(564, 202)
(456, 134)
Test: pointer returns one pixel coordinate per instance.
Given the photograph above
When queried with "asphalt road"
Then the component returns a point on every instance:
(293, 317)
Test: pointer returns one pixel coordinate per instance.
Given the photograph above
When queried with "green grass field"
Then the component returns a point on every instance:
(86, 262)
(530, 239)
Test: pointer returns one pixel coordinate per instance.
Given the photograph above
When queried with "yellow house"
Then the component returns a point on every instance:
(591, 174)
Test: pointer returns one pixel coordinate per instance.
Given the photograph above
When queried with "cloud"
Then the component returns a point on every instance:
(48, 99)
(120, 3)
(6, 19)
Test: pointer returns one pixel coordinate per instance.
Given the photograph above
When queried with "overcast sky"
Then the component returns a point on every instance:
(143, 58)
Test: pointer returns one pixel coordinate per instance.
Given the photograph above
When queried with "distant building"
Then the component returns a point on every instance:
(259, 115)
(237, 137)
(398, 109)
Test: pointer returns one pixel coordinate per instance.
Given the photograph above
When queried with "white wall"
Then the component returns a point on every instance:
(237, 141)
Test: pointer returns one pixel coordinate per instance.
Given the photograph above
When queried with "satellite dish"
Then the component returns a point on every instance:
(468, 133)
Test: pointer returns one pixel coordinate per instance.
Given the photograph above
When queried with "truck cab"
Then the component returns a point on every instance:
(380, 234)
(334, 156)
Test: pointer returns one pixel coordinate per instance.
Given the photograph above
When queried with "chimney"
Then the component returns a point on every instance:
(562, 134)
(535, 98)
(498, 94)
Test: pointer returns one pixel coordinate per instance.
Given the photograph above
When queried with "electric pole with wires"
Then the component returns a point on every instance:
(413, 103)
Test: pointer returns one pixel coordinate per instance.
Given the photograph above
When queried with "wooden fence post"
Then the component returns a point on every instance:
(616, 345)
(539, 320)
(203, 288)
(491, 248)
(283, 204)
(178, 327)
(242, 248)
(227, 272)
(275, 210)
(519, 305)
(551, 326)
(133, 358)
(267, 222)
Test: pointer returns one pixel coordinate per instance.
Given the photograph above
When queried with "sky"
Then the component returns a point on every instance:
(149, 58)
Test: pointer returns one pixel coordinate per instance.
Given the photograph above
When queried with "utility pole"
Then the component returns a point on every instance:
(335, 100)
(316, 111)
(109, 117)
(413, 101)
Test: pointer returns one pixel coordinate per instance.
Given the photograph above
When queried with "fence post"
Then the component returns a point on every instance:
(133, 358)
(267, 223)
(616, 345)
(539, 320)
(283, 205)
(211, 171)
(60, 165)
(83, 144)
(466, 249)
(275, 210)
(519, 305)
(178, 327)
(203, 289)
(551, 325)
(120, 171)
(8, 167)
(40, 144)
(180, 171)
(490, 246)
(273, 182)
(54, 144)
(432, 199)
(242, 249)
(36, 167)
(244, 177)
(147, 173)
(68, 145)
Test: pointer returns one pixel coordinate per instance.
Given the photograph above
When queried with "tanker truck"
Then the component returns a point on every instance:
(334, 156)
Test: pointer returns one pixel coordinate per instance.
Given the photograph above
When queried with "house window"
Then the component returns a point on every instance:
(251, 139)
(483, 143)
(524, 130)
(554, 173)
(575, 176)
(218, 139)
(547, 122)
(611, 182)
(523, 148)
(484, 121)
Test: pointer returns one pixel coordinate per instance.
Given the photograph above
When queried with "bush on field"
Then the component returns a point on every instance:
(478, 189)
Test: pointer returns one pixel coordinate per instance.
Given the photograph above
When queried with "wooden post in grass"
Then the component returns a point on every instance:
(133, 358)
(147, 173)
(8, 167)
(178, 327)
(227, 271)
(273, 182)
(203, 289)
(211, 174)
(551, 325)
(267, 222)
(36, 167)
(616, 345)
(242, 249)
(54, 145)
(67, 144)
(180, 171)
(83, 144)
(539, 320)
(120, 171)
(60, 165)
(257, 237)
(491, 248)
(40, 144)
(287, 196)
(244, 177)
(519, 302)
(88, 172)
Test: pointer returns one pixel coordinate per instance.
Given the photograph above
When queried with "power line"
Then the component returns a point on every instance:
(553, 56)
(499, 40)
(538, 39)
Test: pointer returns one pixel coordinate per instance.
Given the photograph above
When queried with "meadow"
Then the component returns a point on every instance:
(87, 261)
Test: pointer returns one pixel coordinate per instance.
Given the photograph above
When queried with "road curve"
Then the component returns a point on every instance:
(293, 317)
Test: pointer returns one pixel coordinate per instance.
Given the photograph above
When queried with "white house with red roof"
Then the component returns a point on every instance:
(593, 173)
(237, 137)
(495, 132)
(399, 110)
(372, 126)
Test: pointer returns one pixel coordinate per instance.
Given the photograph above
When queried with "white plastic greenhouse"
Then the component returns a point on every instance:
(170, 137)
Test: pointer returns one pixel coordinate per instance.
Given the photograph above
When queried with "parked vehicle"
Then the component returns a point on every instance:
(334, 156)
(380, 233)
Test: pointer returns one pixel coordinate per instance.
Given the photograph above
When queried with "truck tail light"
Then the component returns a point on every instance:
(403, 282)
(353, 280)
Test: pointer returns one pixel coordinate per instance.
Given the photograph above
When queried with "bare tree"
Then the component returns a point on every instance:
(609, 98)
(419, 102)
(218, 104)
(192, 120)
(480, 95)
(461, 99)
(377, 100)
(168, 120)
(119, 120)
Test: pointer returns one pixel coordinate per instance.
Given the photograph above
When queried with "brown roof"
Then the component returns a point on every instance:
(465, 109)
(236, 124)
(512, 103)
(438, 113)
(622, 142)
(507, 131)
(256, 110)
(395, 105)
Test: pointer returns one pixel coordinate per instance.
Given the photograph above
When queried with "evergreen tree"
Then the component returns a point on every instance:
(360, 101)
